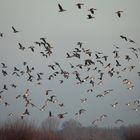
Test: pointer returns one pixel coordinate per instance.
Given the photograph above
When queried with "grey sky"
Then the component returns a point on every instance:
(35, 19)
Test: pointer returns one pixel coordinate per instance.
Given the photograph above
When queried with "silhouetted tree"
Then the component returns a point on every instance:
(51, 123)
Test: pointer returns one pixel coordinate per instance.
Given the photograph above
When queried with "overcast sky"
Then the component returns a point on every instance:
(41, 18)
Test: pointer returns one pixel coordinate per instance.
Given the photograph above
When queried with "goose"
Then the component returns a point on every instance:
(21, 47)
(5, 87)
(4, 65)
(92, 10)
(118, 120)
(61, 8)
(90, 16)
(1, 34)
(79, 5)
(47, 91)
(119, 13)
(4, 73)
(123, 37)
(61, 115)
(14, 30)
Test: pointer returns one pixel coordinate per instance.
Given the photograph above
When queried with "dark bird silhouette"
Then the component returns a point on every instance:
(81, 111)
(32, 48)
(89, 62)
(118, 120)
(38, 77)
(4, 73)
(61, 8)
(117, 63)
(24, 63)
(14, 30)
(38, 43)
(5, 87)
(127, 57)
(123, 37)
(92, 10)
(52, 67)
(99, 52)
(3, 65)
(43, 39)
(99, 95)
(6, 103)
(50, 114)
(1, 34)
(69, 56)
(16, 69)
(47, 92)
(18, 96)
(105, 57)
(71, 65)
(80, 44)
(61, 104)
(90, 16)
(61, 115)
(21, 47)
(79, 5)
(26, 112)
(119, 13)
(97, 57)
(100, 62)
(13, 85)
(132, 41)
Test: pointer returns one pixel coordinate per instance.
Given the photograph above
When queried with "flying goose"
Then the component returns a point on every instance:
(119, 13)
(61, 8)
(92, 10)
(14, 30)
(79, 5)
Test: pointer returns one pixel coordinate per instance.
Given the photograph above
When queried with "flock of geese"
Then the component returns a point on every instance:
(95, 64)
(91, 10)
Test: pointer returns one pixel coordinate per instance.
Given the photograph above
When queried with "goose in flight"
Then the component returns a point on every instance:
(14, 30)
(123, 37)
(1, 34)
(6, 104)
(50, 114)
(43, 39)
(80, 44)
(92, 10)
(61, 8)
(21, 47)
(5, 87)
(32, 48)
(79, 5)
(90, 16)
(119, 13)
(61, 115)
(117, 63)
(81, 111)
(118, 120)
(132, 41)
(3, 65)
(103, 116)
(100, 95)
(47, 91)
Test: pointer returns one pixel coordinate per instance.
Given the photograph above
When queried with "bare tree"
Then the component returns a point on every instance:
(71, 124)
(51, 123)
